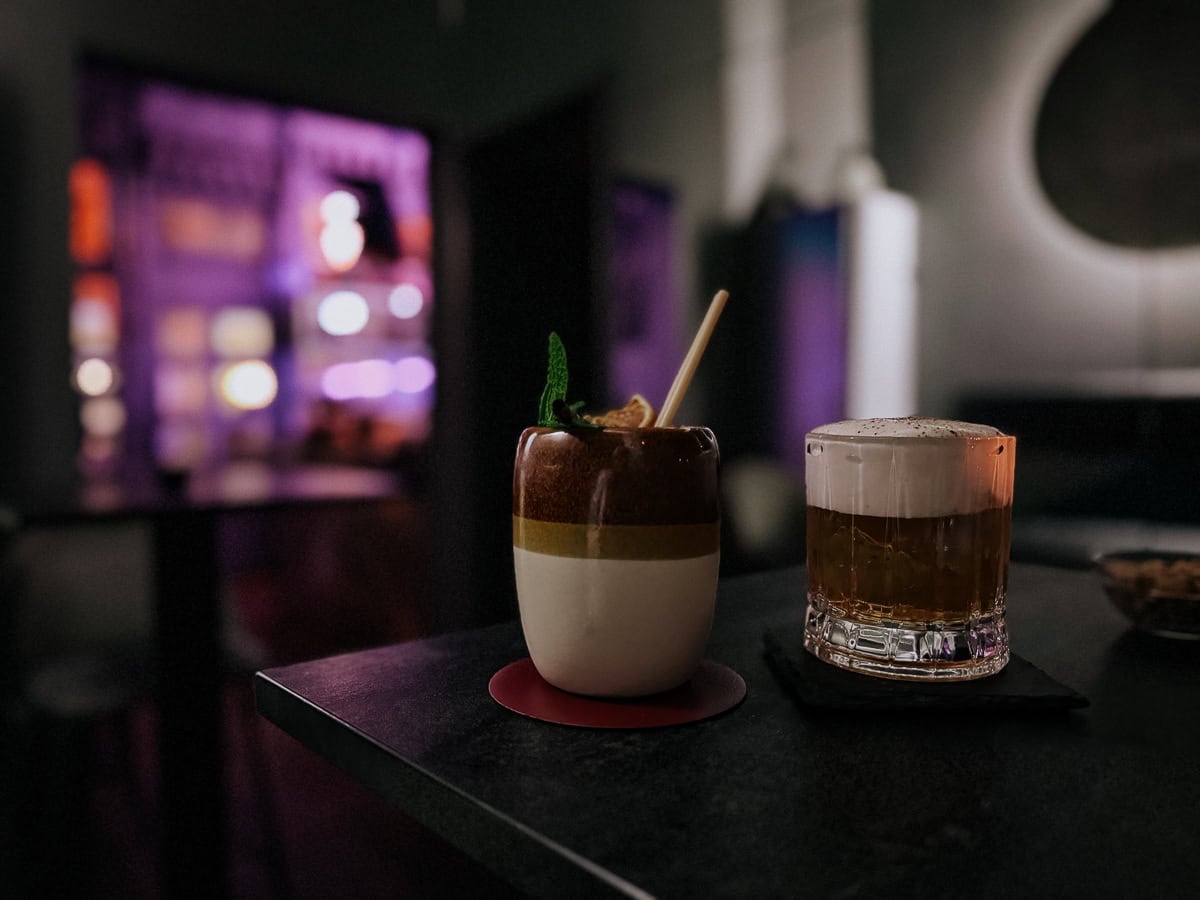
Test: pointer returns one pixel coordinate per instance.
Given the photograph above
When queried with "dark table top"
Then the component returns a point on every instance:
(774, 800)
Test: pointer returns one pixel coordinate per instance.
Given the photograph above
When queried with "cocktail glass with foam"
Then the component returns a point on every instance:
(909, 526)
(616, 548)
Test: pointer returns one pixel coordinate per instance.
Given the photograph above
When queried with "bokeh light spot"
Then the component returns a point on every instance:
(374, 378)
(414, 374)
(342, 237)
(102, 416)
(364, 378)
(338, 208)
(251, 384)
(94, 377)
(343, 312)
(405, 300)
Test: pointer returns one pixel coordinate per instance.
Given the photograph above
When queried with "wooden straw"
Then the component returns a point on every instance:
(684, 376)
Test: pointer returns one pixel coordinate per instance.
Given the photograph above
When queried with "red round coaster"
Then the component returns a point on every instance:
(713, 689)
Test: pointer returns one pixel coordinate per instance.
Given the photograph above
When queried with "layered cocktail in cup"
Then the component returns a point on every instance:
(616, 548)
(909, 525)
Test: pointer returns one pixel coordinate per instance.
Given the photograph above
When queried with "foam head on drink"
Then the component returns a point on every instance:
(909, 525)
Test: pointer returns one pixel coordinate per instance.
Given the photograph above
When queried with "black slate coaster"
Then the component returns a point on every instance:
(1020, 686)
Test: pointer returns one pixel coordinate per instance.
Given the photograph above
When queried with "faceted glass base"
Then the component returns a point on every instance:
(945, 651)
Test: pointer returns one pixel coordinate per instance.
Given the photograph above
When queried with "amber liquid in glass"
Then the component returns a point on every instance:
(926, 570)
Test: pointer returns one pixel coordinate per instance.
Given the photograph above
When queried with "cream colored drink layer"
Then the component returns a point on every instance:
(908, 468)
(616, 627)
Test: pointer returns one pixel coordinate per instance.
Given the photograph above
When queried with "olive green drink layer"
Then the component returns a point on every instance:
(616, 541)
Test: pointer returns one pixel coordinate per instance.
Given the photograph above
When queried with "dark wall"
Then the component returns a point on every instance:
(1109, 457)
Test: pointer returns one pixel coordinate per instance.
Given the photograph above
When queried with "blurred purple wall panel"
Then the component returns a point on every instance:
(644, 349)
(813, 333)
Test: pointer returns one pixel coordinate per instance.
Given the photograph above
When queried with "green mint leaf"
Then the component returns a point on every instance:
(556, 382)
(554, 411)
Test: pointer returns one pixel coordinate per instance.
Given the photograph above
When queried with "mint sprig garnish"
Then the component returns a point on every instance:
(554, 411)
(556, 382)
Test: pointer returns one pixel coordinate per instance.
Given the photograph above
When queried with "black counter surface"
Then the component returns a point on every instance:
(774, 800)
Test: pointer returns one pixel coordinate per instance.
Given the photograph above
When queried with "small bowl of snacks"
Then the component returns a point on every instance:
(1157, 591)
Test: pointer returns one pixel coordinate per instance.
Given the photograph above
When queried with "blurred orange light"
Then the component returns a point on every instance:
(181, 333)
(90, 226)
(416, 235)
(206, 229)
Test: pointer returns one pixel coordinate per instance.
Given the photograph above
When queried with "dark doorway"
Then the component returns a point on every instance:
(533, 195)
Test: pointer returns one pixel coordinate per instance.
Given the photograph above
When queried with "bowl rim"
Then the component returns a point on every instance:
(1106, 556)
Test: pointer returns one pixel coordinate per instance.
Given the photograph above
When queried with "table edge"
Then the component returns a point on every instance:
(446, 810)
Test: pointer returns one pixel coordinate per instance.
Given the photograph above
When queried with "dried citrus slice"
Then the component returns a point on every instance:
(637, 413)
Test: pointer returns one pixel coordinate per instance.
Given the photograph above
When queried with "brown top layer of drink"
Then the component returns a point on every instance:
(647, 476)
